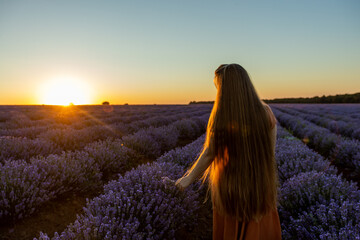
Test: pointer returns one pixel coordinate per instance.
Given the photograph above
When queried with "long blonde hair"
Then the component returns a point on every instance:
(243, 176)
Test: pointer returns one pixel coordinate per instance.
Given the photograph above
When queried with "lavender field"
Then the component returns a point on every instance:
(47, 152)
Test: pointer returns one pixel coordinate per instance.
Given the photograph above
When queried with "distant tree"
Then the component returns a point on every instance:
(106, 103)
(201, 102)
(126, 104)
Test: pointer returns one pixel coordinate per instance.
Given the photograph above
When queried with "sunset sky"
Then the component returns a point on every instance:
(165, 52)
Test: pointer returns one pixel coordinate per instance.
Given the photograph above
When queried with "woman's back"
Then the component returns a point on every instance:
(243, 175)
(268, 227)
(239, 160)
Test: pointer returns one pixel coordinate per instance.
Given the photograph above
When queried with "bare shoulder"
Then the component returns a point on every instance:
(271, 115)
(266, 106)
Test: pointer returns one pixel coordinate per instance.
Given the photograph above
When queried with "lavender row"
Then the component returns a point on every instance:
(343, 151)
(345, 112)
(293, 157)
(57, 140)
(140, 204)
(25, 186)
(314, 202)
(14, 117)
(127, 118)
(71, 139)
(347, 129)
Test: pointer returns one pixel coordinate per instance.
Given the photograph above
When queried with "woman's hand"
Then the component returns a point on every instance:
(167, 181)
(183, 182)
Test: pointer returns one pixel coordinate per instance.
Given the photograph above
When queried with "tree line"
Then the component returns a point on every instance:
(339, 98)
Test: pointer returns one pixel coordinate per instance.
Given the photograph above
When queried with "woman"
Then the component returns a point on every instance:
(238, 159)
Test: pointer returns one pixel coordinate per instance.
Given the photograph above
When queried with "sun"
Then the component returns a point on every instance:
(65, 91)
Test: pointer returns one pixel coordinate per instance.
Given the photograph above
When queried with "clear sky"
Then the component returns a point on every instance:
(166, 51)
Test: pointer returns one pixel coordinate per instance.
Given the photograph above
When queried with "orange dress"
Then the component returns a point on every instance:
(228, 228)
(268, 228)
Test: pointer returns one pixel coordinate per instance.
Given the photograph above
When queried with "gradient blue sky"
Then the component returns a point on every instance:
(167, 51)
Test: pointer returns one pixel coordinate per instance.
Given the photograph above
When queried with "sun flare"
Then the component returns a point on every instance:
(65, 91)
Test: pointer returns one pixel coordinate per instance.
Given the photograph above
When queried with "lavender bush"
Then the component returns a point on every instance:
(344, 126)
(139, 205)
(23, 148)
(314, 203)
(184, 156)
(334, 220)
(310, 188)
(343, 151)
(152, 142)
(293, 158)
(76, 170)
(110, 155)
(21, 190)
(25, 186)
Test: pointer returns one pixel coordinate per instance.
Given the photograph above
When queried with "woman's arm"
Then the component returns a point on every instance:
(201, 164)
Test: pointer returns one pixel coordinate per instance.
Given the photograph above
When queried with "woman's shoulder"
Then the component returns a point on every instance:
(267, 108)
(270, 114)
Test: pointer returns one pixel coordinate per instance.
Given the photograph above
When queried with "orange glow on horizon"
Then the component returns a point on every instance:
(64, 91)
